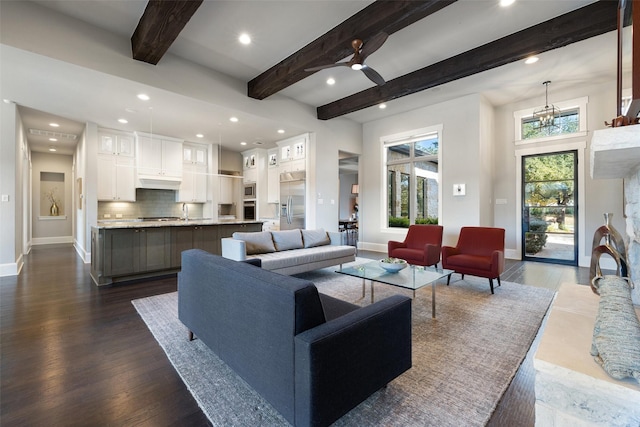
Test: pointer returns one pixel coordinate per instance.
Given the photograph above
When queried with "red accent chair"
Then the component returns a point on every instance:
(479, 252)
(421, 246)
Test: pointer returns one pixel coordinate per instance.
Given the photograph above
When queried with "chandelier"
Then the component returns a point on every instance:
(546, 116)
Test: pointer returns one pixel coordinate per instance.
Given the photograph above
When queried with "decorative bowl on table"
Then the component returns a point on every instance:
(392, 265)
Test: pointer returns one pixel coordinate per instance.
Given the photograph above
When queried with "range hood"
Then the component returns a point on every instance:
(156, 182)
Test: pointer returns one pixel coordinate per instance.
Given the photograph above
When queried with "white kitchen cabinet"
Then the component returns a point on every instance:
(195, 154)
(293, 166)
(293, 149)
(250, 175)
(159, 159)
(115, 143)
(250, 159)
(272, 158)
(116, 178)
(273, 185)
(226, 196)
(193, 188)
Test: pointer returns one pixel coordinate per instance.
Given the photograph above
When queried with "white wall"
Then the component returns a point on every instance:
(14, 185)
(462, 163)
(486, 130)
(347, 200)
(48, 229)
(478, 150)
(600, 196)
(79, 167)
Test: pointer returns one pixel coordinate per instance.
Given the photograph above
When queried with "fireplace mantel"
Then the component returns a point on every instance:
(615, 152)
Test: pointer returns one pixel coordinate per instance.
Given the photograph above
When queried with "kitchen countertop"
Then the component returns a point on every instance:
(136, 223)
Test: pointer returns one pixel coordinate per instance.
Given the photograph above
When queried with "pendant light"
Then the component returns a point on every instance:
(547, 116)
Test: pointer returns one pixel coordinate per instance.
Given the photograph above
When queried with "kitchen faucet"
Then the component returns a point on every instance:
(185, 211)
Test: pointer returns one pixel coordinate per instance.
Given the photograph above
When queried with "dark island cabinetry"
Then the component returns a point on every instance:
(203, 237)
(137, 251)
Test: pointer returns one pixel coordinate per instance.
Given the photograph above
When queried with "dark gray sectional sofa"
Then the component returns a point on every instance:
(311, 356)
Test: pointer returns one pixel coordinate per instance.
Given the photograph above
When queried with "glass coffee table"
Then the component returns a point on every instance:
(412, 277)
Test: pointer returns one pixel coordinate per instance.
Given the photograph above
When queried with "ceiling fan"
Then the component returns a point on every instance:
(360, 53)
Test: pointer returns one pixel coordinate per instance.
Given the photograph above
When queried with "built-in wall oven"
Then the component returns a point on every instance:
(249, 210)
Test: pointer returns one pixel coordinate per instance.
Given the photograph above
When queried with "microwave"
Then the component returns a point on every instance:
(250, 190)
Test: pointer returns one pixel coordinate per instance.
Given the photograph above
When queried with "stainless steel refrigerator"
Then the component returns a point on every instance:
(292, 189)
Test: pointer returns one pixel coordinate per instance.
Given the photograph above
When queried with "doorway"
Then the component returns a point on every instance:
(549, 208)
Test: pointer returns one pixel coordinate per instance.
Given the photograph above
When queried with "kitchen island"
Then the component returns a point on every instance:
(133, 249)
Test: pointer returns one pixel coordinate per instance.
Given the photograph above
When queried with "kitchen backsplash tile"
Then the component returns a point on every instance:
(159, 203)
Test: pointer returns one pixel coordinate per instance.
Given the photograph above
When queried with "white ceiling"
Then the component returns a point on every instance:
(279, 28)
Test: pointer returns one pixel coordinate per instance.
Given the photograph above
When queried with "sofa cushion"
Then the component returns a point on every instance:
(257, 243)
(287, 239)
(314, 238)
(278, 260)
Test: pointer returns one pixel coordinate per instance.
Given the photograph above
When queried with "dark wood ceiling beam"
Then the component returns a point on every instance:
(589, 21)
(380, 16)
(159, 26)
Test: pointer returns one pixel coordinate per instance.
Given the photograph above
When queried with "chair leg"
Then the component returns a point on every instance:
(499, 284)
(190, 336)
(462, 276)
(491, 285)
(448, 279)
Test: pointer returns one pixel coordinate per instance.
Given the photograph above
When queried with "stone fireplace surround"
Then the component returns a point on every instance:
(615, 153)
(571, 388)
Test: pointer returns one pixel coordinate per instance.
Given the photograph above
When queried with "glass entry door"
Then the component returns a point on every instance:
(549, 208)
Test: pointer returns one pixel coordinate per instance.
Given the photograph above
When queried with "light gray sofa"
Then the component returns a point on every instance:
(289, 251)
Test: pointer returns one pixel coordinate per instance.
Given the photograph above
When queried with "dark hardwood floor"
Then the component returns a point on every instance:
(75, 354)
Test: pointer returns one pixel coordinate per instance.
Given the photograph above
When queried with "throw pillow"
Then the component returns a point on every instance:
(287, 239)
(315, 238)
(256, 243)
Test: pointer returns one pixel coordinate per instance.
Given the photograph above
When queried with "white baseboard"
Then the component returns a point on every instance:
(86, 256)
(512, 254)
(13, 268)
(51, 240)
(374, 247)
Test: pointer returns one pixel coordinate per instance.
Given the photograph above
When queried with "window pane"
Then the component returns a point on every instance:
(426, 192)
(398, 194)
(567, 122)
(549, 167)
(398, 152)
(426, 147)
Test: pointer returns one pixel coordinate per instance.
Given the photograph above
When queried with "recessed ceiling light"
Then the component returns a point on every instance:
(331, 81)
(505, 3)
(199, 135)
(52, 149)
(53, 139)
(280, 130)
(6, 101)
(382, 106)
(233, 119)
(54, 125)
(123, 121)
(243, 143)
(143, 97)
(531, 60)
(244, 38)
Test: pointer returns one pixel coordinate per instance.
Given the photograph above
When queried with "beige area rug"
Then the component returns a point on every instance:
(463, 361)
